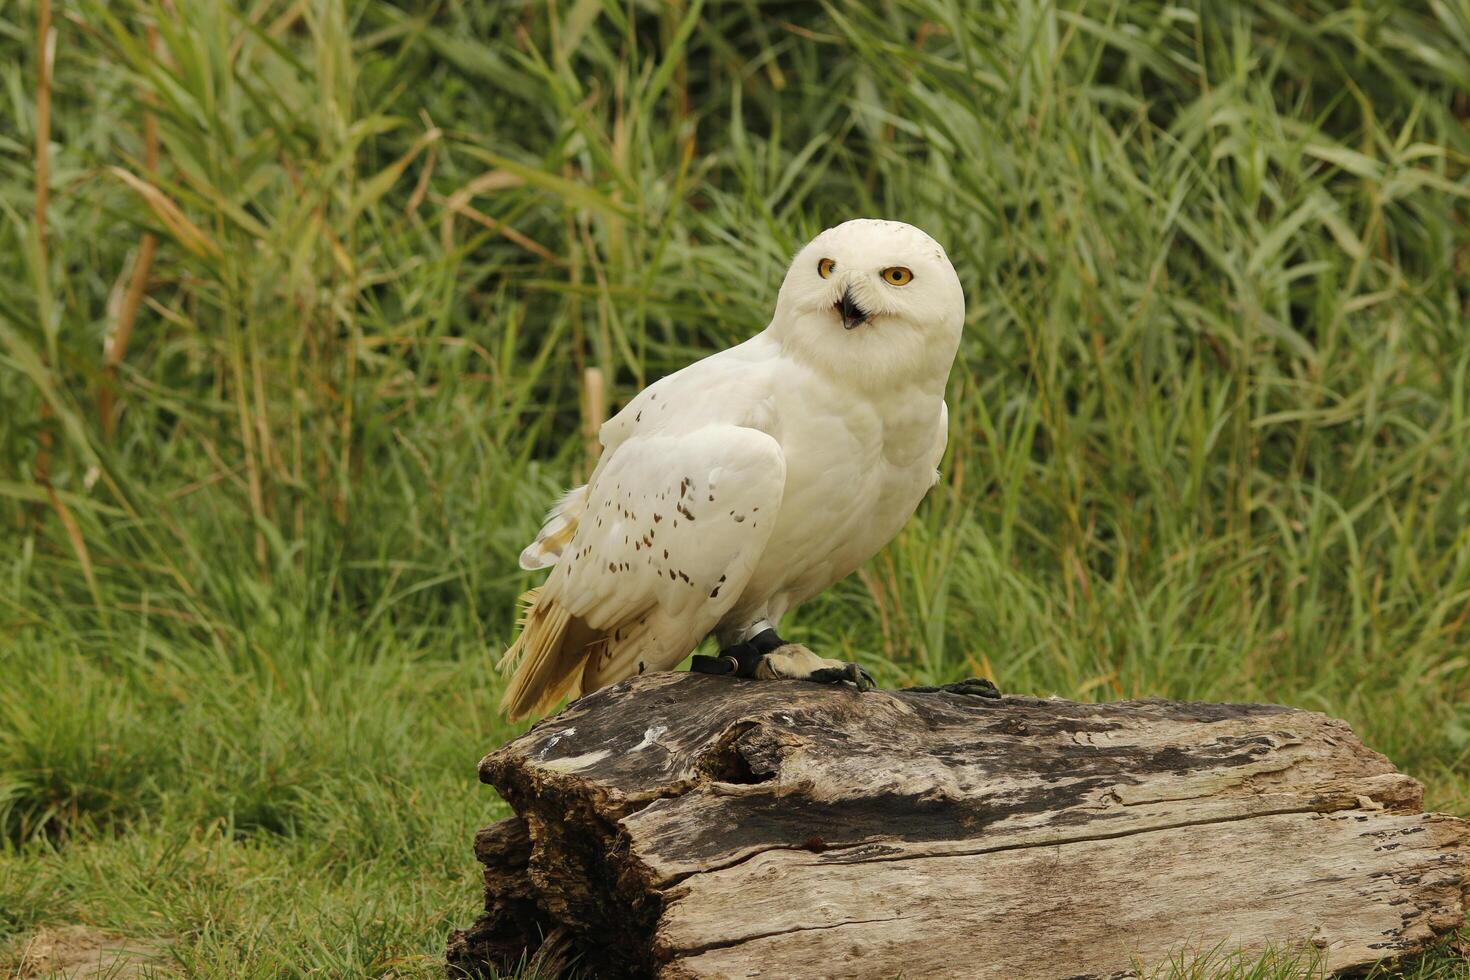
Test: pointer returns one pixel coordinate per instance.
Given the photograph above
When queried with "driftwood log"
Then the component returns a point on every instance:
(682, 825)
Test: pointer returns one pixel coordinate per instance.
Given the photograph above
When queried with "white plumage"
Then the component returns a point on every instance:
(733, 490)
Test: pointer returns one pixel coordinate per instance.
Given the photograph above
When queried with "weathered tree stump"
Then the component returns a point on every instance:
(682, 825)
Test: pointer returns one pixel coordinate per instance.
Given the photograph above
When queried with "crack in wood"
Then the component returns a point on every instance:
(1024, 845)
(697, 950)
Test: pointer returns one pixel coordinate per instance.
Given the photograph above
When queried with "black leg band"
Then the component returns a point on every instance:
(712, 665)
(740, 659)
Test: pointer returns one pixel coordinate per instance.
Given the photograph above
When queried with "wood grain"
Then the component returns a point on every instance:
(681, 825)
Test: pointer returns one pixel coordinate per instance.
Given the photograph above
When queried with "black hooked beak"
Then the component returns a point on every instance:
(852, 314)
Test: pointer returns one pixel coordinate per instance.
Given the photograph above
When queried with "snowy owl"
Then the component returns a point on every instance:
(733, 490)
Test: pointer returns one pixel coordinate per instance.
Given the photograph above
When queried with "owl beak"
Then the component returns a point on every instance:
(852, 314)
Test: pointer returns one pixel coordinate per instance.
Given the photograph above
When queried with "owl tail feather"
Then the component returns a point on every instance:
(547, 656)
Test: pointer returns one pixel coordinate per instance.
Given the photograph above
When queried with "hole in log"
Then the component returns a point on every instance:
(744, 754)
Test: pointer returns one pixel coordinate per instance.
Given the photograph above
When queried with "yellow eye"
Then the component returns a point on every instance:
(825, 267)
(897, 275)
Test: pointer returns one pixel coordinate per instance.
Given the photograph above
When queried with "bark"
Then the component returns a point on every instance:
(683, 825)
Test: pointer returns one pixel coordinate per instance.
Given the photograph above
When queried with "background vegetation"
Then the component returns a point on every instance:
(297, 297)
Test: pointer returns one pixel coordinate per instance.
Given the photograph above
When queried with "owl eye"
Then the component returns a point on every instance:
(825, 267)
(897, 275)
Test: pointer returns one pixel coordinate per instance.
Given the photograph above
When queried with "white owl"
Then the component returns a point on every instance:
(731, 491)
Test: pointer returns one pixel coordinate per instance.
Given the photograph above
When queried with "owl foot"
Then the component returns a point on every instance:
(977, 687)
(792, 661)
(768, 657)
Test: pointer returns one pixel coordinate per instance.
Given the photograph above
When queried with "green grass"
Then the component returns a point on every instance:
(1210, 425)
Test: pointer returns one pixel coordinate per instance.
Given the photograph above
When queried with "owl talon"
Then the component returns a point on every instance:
(847, 672)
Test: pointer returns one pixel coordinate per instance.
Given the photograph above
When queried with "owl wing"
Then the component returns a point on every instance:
(670, 528)
(941, 439)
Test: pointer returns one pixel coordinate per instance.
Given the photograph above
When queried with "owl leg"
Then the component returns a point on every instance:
(768, 657)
